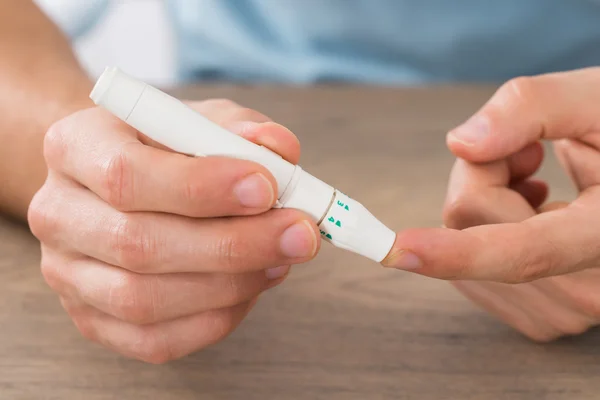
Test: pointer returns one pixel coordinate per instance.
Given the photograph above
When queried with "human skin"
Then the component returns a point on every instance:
(533, 265)
(41, 82)
(154, 263)
(157, 263)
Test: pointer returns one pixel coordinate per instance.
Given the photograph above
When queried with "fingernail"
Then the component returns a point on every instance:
(277, 272)
(403, 260)
(298, 241)
(472, 131)
(255, 191)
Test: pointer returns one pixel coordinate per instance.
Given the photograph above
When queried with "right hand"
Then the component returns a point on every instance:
(155, 254)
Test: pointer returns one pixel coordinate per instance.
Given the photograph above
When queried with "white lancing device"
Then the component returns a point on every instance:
(342, 221)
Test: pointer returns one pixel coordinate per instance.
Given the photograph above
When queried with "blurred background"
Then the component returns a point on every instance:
(112, 38)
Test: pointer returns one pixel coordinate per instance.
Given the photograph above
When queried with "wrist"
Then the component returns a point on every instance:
(22, 166)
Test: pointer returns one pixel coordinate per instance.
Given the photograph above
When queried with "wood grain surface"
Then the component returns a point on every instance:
(341, 327)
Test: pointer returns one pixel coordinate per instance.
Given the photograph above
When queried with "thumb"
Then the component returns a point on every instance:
(529, 109)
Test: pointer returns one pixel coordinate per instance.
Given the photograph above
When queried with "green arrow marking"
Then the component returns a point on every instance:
(327, 235)
(338, 223)
(344, 206)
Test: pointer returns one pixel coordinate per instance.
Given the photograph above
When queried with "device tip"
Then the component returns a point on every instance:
(103, 84)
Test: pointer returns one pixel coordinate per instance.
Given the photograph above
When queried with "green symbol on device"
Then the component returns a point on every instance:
(333, 221)
(327, 235)
(344, 206)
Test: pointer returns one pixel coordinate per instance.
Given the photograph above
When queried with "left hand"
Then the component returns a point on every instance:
(533, 266)
(543, 309)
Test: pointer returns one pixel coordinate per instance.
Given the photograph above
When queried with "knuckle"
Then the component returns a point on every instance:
(132, 244)
(535, 262)
(229, 253)
(51, 274)
(195, 190)
(459, 212)
(55, 143)
(587, 303)
(520, 90)
(152, 346)
(130, 300)
(42, 215)
(541, 336)
(217, 326)
(575, 328)
(234, 290)
(528, 269)
(84, 326)
(116, 176)
(82, 319)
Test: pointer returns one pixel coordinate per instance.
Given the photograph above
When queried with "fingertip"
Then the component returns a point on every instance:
(300, 241)
(256, 191)
(487, 136)
(472, 152)
(469, 139)
(440, 253)
(403, 259)
(411, 247)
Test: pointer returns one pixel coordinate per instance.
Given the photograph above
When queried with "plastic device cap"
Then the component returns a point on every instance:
(117, 92)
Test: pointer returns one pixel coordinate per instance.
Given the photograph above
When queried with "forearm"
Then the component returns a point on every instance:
(40, 82)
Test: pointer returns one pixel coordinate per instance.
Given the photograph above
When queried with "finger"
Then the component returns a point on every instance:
(123, 172)
(224, 111)
(157, 343)
(508, 308)
(272, 135)
(531, 308)
(534, 191)
(555, 205)
(580, 320)
(148, 299)
(580, 161)
(578, 291)
(529, 109)
(248, 123)
(478, 193)
(552, 243)
(73, 219)
(517, 167)
(128, 175)
(553, 318)
(526, 162)
(252, 125)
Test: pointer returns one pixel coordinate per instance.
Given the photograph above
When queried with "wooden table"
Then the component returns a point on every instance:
(341, 327)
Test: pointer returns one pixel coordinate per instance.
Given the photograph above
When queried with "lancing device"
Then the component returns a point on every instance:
(342, 221)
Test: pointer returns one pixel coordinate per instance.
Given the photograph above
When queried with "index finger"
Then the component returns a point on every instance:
(104, 155)
(528, 109)
(552, 243)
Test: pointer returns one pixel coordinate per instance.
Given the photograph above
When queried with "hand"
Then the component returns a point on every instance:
(544, 309)
(534, 266)
(155, 254)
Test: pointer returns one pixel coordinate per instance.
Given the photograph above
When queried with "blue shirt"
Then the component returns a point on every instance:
(382, 41)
